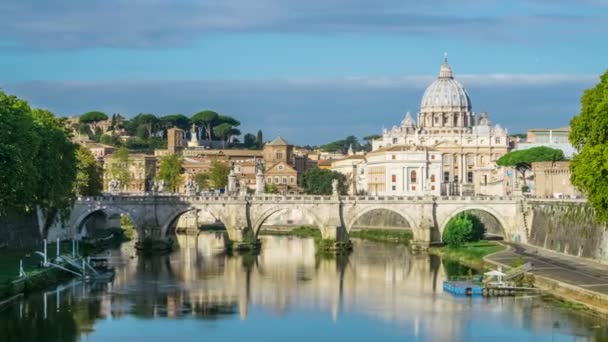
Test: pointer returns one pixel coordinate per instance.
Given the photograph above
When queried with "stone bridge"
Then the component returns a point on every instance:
(155, 216)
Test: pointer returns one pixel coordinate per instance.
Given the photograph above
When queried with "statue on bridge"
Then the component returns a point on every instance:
(190, 187)
(160, 186)
(114, 186)
(334, 187)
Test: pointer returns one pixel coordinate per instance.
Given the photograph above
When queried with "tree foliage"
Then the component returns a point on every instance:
(176, 120)
(171, 171)
(317, 181)
(463, 228)
(37, 159)
(342, 146)
(18, 148)
(260, 140)
(55, 162)
(522, 159)
(93, 117)
(271, 188)
(88, 175)
(218, 174)
(208, 119)
(202, 180)
(120, 167)
(589, 135)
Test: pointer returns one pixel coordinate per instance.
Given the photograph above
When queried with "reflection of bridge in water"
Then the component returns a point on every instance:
(155, 216)
(389, 284)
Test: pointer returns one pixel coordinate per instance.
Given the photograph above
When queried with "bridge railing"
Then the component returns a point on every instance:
(290, 198)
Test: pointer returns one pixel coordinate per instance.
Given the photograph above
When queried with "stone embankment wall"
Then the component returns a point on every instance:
(569, 228)
(18, 231)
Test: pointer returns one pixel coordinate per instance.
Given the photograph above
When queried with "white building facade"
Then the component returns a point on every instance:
(460, 146)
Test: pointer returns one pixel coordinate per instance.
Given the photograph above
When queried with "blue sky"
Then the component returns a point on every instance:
(312, 71)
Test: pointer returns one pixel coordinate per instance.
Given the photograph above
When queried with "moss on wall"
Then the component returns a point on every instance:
(568, 228)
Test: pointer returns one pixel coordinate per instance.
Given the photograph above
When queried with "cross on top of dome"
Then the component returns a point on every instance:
(446, 70)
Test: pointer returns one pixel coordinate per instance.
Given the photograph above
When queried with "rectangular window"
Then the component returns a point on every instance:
(413, 187)
(394, 140)
(393, 178)
(456, 179)
(394, 188)
(469, 177)
(485, 180)
(268, 180)
(497, 140)
(292, 179)
(284, 180)
(276, 179)
(393, 157)
(446, 177)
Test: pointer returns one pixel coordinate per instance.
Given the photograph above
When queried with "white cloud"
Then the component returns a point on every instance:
(60, 24)
(316, 110)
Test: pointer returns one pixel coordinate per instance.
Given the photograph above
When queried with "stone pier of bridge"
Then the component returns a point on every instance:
(155, 216)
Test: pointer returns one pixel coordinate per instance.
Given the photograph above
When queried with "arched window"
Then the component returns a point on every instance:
(413, 176)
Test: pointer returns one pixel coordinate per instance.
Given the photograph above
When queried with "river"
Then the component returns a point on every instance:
(380, 292)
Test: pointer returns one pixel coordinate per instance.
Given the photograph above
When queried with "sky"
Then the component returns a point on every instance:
(311, 71)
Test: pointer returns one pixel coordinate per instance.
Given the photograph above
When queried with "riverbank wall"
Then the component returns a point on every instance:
(19, 231)
(568, 227)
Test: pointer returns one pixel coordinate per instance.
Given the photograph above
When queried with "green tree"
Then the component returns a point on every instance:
(208, 120)
(223, 131)
(589, 135)
(18, 148)
(461, 229)
(368, 141)
(202, 180)
(218, 174)
(522, 159)
(120, 167)
(260, 140)
(171, 171)
(343, 145)
(93, 118)
(55, 163)
(176, 120)
(317, 181)
(141, 122)
(249, 141)
(88, 176)
(110, 139)
(227, 119)
(271, 188)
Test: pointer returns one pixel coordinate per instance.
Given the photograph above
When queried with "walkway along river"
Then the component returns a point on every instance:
(379, 292)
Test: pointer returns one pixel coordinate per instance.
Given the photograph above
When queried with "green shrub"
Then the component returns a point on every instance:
(463, 228)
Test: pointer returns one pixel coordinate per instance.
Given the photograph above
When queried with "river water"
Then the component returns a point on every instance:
(380, 292)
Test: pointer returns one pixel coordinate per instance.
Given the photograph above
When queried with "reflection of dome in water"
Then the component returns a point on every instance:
(445, 94)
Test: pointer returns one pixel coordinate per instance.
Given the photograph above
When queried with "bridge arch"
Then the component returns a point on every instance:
(174, 217)
(497, 228)
(265, 215)
(368, 210)
(108, 212)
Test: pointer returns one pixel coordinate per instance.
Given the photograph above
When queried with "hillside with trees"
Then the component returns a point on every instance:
(146, 132)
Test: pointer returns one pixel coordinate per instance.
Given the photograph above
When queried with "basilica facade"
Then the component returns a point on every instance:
(447, 150)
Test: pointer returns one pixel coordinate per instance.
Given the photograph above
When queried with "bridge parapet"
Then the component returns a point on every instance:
(317, 199)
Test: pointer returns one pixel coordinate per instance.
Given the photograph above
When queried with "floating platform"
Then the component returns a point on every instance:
(463, 288)
(475, 289)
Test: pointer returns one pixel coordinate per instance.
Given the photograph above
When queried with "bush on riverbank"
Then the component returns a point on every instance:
(470, 253)
(461, 229)
(384, 235)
